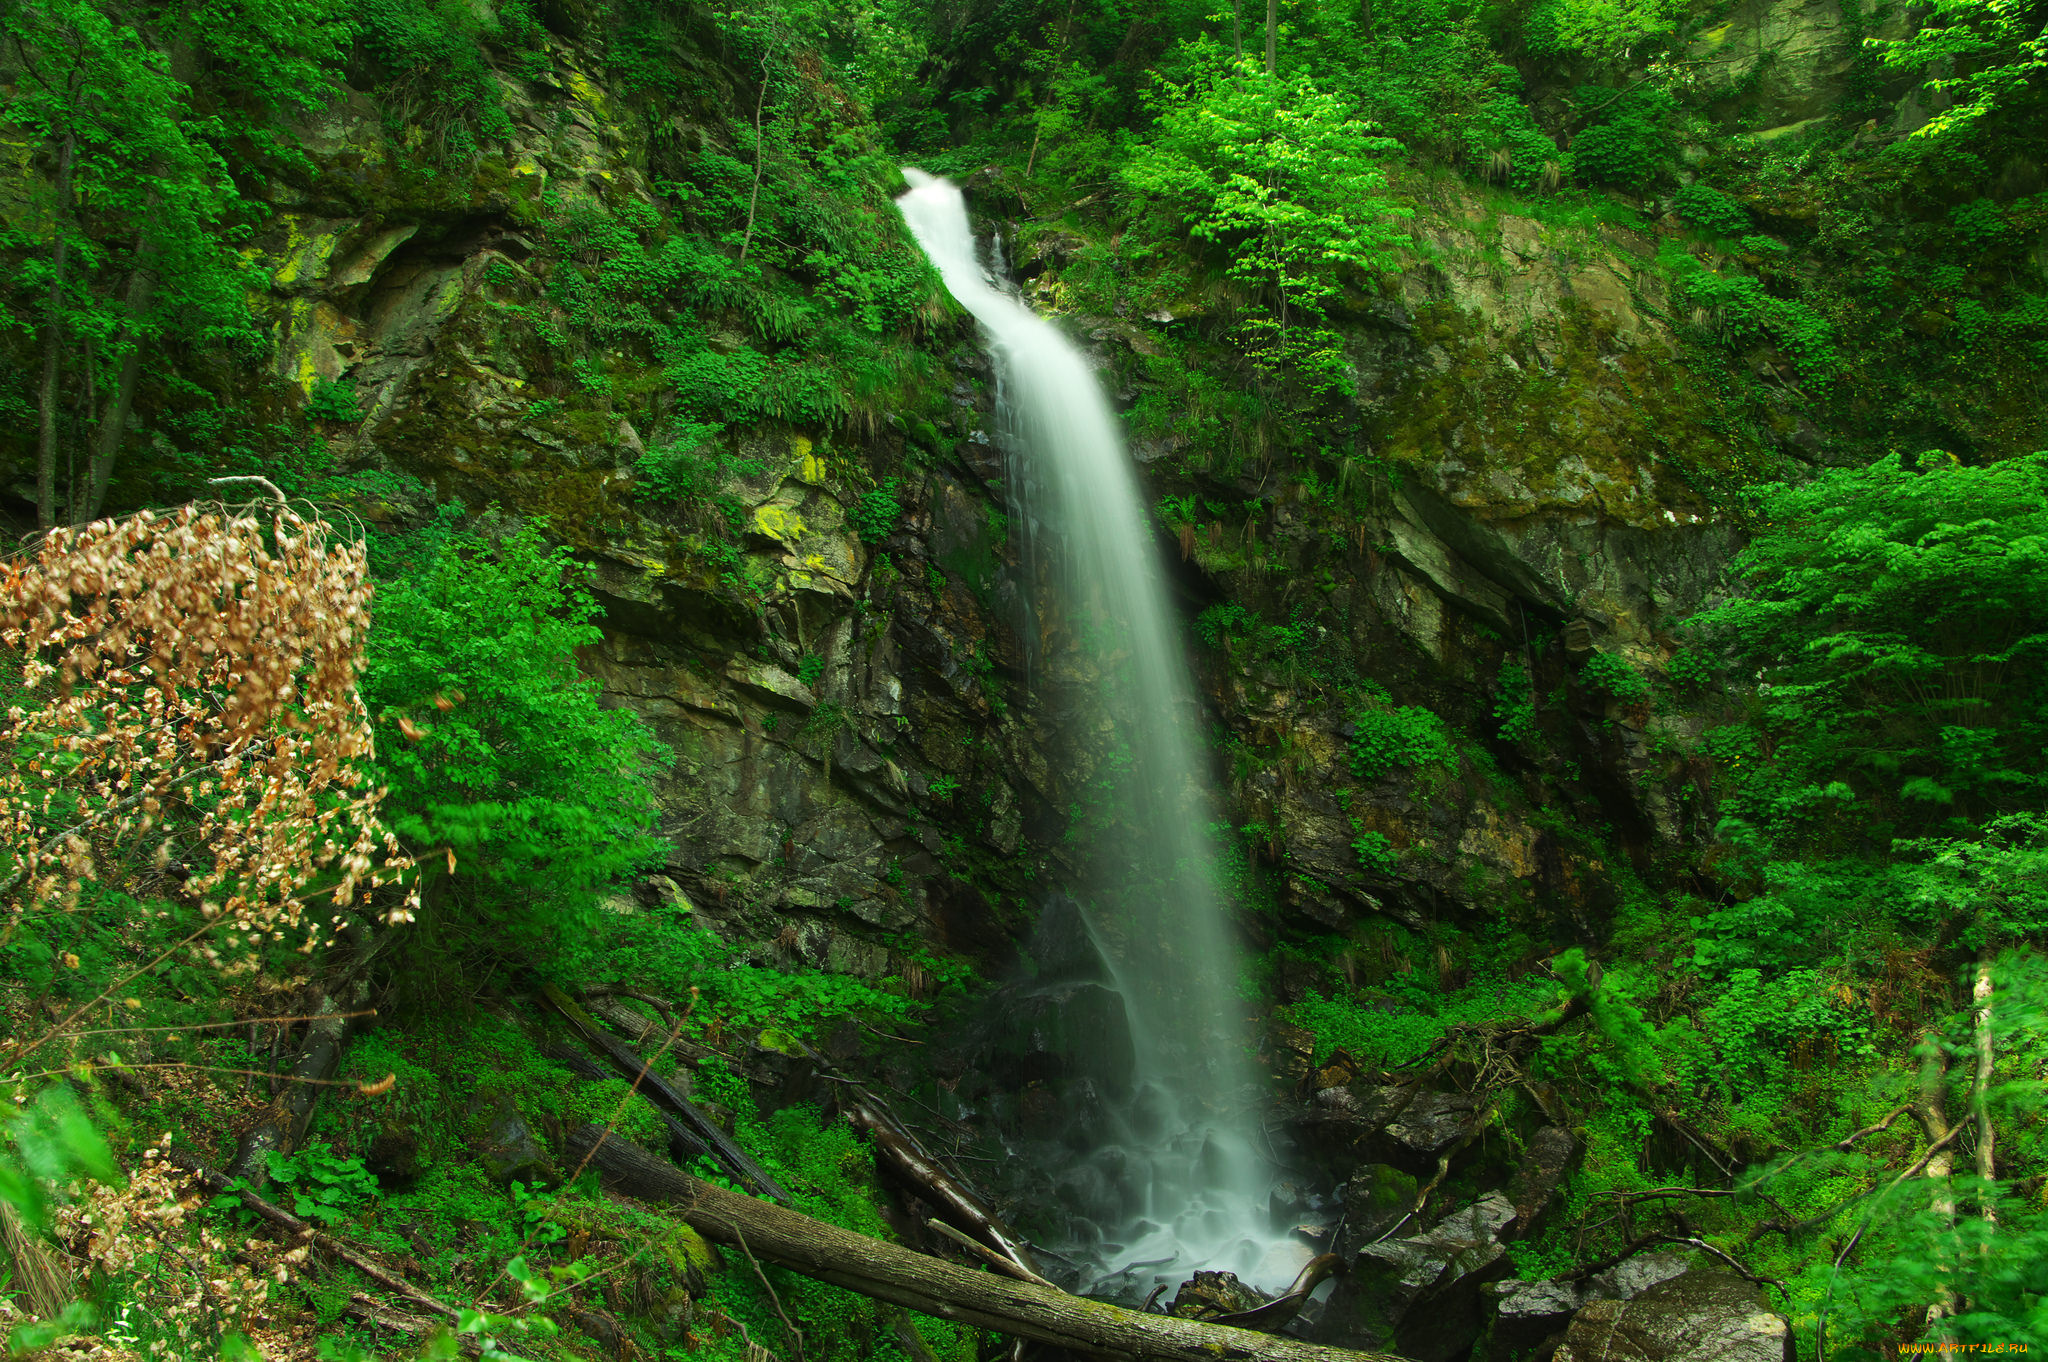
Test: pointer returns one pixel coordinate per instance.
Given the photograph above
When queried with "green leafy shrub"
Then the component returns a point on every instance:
(1631, 147)
(1218, 624)
(1899, 615)
(321, 1184)
(1383, 741)
(1284, 180)
(1411, 1014)
(875, 513)
(495, 747)
(670, 952)
(1704, 206)
(333, 401)
(1376, 853)
(1612, 676)
(1689, 671)
(1514, 703)
(1742, 310)
(434, 65)
(689, 467)
(1603, 30)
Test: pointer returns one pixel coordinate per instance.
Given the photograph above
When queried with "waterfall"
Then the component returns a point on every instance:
(1180, 1182)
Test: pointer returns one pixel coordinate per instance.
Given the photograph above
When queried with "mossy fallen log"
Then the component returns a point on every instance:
(932, 1286)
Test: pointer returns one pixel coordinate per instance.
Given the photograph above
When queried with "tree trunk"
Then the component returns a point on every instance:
(114, 423)
(53, 334)
(754, 198)
(932, 1286)
(1930, 1111)
(286, 1120)
(1272, 36)
(1987, 1163)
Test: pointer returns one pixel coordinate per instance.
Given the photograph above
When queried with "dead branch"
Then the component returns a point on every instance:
(285, 1121)
(908, 1159)
(664, 1094)
(1277, 1313)
(304, 1232)
(796, 1335)
(985, 1253)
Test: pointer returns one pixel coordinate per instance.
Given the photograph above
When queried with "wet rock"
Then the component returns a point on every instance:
(1550, 1156)
(1290, 1052)
(1629, 1279)
(1313, 1233)
(507, 1148)
(1063, 948)
(1375, 1200)
(1694, 1317)
(1426, 1128)
(1524, 1314)
(1285, 1203)
(1209, 1294)
(1419, 1295)
(1404, 1126)
(1068, 1030)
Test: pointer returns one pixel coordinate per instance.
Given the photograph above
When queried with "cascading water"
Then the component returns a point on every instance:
(1178, 1181)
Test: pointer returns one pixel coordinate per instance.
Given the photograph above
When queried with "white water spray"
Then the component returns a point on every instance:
(1181, 1182)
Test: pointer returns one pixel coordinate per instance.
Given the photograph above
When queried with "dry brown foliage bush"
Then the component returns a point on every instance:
(189, 677)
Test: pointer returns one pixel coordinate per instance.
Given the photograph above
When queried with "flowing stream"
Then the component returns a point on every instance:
(1179, 1181)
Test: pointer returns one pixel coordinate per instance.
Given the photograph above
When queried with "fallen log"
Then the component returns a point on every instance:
(931, 1286)
(284, 1122)
(910, 1161)
(665, 1095)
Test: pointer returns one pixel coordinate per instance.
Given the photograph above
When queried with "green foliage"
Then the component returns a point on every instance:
(1741, 310)
(690, 467)
(1630, 146)
(322, 1185)
(1620, 1022)
(537, 791)
(1282, 176)
(1899, 616)
(50, 1141)
(738, 990)
(1603, 30)
(1707, 207)
(333, 401)
(1383, 741)
(139, 253)
(875, 513)
(1376, 853)
(1218, 624)
(1689, 671)
(1514, 703)
(1406, 1016)
(441, 92)
(1981, 56)
(1612, 676)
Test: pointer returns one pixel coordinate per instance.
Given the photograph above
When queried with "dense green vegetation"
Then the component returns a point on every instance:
(1278, 239)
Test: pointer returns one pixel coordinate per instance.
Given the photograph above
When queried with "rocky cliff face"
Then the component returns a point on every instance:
(862, 749)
